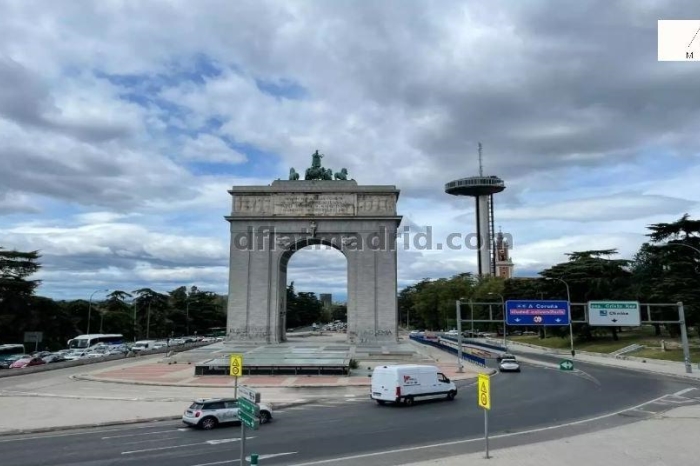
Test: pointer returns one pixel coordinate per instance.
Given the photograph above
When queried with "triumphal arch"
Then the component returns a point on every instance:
(269, 223)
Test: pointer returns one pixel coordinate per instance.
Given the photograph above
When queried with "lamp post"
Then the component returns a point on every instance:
(459, 335)
(134, 321)
(688, 366)
(571, 326)
(90, 309)
(187, 316)
(503, 305)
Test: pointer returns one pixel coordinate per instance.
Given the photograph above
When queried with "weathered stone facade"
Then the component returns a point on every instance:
(270, 223)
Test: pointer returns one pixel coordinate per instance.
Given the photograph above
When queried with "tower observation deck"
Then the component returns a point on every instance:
(481, 188)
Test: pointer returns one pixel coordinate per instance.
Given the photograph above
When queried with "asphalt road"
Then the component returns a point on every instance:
(362, 431)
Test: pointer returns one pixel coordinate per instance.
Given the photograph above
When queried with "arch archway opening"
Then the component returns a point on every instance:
(312, 266)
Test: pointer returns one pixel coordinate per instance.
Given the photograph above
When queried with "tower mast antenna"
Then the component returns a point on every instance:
(481, 164)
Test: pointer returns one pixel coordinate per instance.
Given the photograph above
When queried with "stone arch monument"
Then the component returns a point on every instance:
(270, 223)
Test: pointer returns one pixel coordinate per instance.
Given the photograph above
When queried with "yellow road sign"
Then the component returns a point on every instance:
(236, 365)
(484, 391)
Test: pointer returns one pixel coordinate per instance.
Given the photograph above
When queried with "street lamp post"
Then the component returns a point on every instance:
(571, 325)
(503, 305)
(90, 309)
(135, 321)
(187, 316)
(681, 317)
(459, 336)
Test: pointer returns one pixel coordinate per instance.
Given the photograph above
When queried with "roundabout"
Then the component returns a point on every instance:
(540, 403)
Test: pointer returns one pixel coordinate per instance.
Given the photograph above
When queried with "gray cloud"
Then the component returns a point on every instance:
(398, 92)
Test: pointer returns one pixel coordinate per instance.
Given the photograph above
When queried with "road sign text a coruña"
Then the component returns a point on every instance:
(531, 312)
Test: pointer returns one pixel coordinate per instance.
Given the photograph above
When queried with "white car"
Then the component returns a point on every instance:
(207, 413)
(509, 365)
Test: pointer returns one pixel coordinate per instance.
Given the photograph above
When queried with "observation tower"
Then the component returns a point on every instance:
(481, 188)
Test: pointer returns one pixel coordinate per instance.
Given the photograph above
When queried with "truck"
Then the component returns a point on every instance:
(404, 383)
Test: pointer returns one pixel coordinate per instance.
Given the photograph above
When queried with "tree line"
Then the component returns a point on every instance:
(140, 314)
(666, 269)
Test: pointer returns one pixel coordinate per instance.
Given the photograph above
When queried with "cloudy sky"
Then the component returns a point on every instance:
(123, 124)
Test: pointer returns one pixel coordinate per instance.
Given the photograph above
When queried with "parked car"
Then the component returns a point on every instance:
(407, 382)
(27, 361)
(207, 413)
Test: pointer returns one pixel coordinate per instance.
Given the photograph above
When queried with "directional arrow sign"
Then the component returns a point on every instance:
(566, 365)
(249, 394)
(531, 312)
(251, 409)
(614, 313)
(249, 421)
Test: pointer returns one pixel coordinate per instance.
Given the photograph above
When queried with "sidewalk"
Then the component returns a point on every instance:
(669, 439)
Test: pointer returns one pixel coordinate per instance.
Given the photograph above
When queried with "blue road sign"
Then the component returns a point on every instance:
(537, 312)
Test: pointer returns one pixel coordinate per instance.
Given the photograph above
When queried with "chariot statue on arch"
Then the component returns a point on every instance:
(317, 172)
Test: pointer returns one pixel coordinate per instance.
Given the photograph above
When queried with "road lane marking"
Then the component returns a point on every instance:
(480, 439)
(171, 447)
(141, 433)
(150, 440)
(260, 457)
(684, 391)
(71, 434)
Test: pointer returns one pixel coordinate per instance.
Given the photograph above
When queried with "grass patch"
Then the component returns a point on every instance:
(668, 355)
(604, 343)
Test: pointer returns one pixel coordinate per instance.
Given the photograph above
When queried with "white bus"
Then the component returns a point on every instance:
(89, 341)
(11, 350)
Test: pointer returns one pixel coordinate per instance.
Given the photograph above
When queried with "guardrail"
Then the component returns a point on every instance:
(471, 341)
(86, 361)
(627, 349)
(481, 362)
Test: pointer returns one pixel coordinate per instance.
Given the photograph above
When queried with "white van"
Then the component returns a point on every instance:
(407, 382)
(143, 345)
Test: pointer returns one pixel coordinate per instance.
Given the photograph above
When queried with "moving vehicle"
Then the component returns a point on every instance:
(207, 413)
(95, 339)
(144, 345)
(509, 364)
(407, 382)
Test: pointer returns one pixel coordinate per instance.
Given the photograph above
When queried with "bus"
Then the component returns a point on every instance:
(89, 341)
(9, 354)
(11, 350)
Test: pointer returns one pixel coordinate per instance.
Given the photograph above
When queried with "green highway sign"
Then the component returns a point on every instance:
(249, 421)
(249, 408)
(614, 313)
(566, 365)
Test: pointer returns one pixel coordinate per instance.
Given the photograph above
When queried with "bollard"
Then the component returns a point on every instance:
(253, 459)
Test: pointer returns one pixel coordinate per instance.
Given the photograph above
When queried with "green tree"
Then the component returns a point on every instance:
(674, 250)
(590, 275)
(152, 314)
(303, 308)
